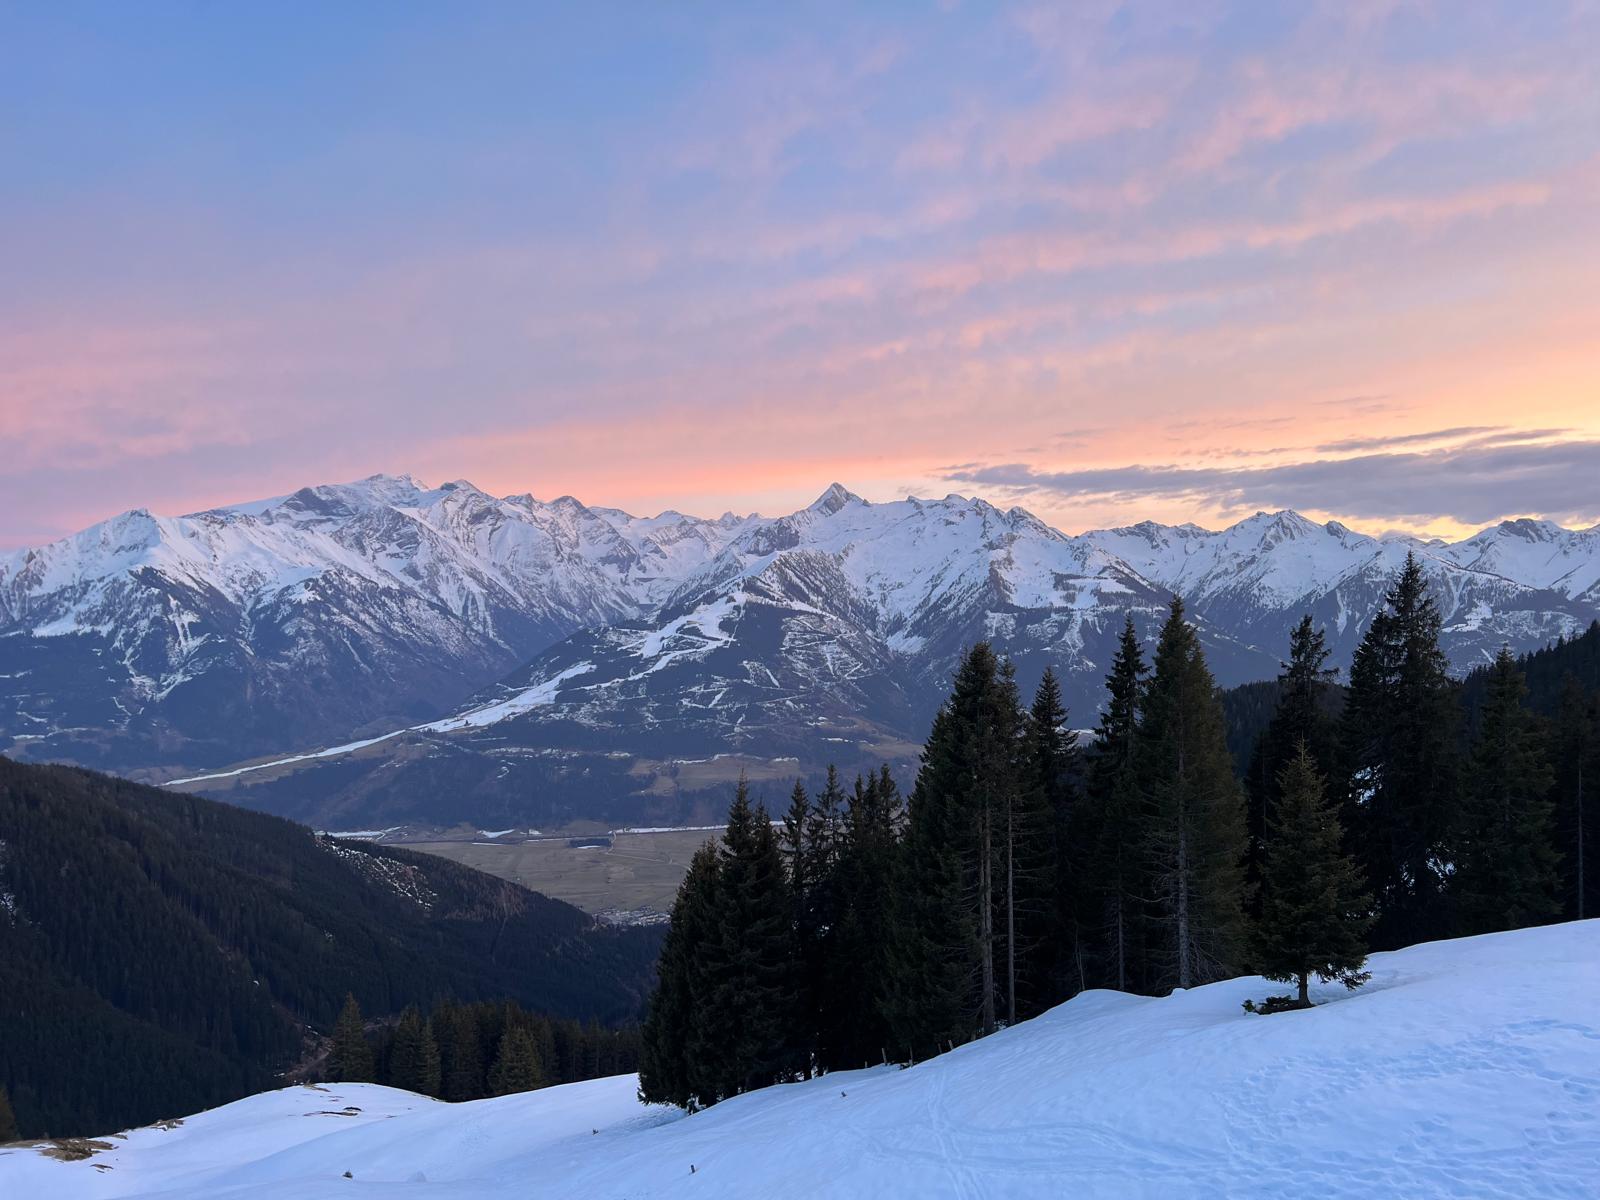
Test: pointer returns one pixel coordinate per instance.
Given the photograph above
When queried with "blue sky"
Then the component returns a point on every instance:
(1107, 260)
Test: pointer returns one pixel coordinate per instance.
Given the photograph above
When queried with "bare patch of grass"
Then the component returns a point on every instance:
(74, 1149)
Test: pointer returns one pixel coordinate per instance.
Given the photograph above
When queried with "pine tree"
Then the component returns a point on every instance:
(1114, 821)
(1506, 874)
(1197, 837)
(461, 1042)
(8, 1119)
(933, 952)
(1400, 763)
(795, 842)
(855, 959)
(799, 843)
(944, 984)
(742, 1030)
(1048, 865)
(1301, 718)
(666, 1073)
(516, 1063)
(1576, 760)
(350, 1060)
(827, 828)
(1314, 916)
(414, 1055)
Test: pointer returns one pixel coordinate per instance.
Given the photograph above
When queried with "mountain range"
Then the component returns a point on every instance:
(384, 652)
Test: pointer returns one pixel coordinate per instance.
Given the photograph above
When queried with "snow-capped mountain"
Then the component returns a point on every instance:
(1521, 583)
(147, 640)
(416, 653)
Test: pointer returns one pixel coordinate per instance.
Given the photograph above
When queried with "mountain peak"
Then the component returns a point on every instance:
(1532, 530)
(832, 500)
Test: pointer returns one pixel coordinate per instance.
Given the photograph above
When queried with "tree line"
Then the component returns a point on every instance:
(866, 926)
(470, 1051)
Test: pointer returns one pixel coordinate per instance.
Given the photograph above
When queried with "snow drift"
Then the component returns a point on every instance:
(1465, 1068)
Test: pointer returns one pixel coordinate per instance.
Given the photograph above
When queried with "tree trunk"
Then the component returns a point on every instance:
(1580, 838)
(1184, 974)
(1011, 920)
(986, 919)
(1305, 990)
(1122, 951)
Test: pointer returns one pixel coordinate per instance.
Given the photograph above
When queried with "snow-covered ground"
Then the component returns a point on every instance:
(1466, 1068)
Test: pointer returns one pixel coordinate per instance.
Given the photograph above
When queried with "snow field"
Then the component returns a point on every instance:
(1468, 1068)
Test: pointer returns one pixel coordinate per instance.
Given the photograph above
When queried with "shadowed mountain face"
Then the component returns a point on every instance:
(542, 661)
(159, 951)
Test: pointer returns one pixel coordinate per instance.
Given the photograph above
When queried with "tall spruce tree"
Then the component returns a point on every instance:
(1400, 761)
(944, 984)
(350, 1060)
(516, 1063)
(856, 953)
(460, 1040)
(1505, 862)
(414, 1055)
(1301, 718)
(798, 843)
(1047, 865)
(743, 1031)
(795, 843)
(667, 1075)
(1576, 760)
(1314, 915)
(1112, 824)
(1197, 832)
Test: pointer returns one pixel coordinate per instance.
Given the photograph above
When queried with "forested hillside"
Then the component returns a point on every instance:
(161, 952)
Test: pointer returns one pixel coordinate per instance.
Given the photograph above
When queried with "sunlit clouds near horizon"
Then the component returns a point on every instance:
(1107, 261)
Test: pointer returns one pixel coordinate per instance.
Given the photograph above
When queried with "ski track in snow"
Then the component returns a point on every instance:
(1465, 1069)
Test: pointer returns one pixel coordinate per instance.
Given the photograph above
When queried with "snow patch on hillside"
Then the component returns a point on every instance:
(1464, 1069)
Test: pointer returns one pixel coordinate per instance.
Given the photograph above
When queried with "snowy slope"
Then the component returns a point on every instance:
(1464, 1069)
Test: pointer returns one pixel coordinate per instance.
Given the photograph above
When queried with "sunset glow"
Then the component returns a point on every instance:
(1110, 262)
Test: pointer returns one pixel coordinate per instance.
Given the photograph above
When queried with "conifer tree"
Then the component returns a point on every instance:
(1197, 835)
(414, 1055)
(1301, 718)
(1576, 761)
(944, 983)
(8, 1119)
(827, 828)
(461, 1041)
(743, 1028)
(1506, 874)
(828, 986)
(1400, 762)
(516, 1063)
(1047, 865)
(666, 1073)
(856, 952)
(1114, 819)
(350, 1060)
(1314, 916)
(798, 843)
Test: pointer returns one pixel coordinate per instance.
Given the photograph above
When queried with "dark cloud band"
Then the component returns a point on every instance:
(1474, 484)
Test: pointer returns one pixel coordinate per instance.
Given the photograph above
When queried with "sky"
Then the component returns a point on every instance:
(1110, 261)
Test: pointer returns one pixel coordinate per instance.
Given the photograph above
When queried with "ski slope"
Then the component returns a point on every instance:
(1464, 1069)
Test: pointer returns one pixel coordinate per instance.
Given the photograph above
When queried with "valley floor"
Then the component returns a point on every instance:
(1465, 1068)
(631, 873)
